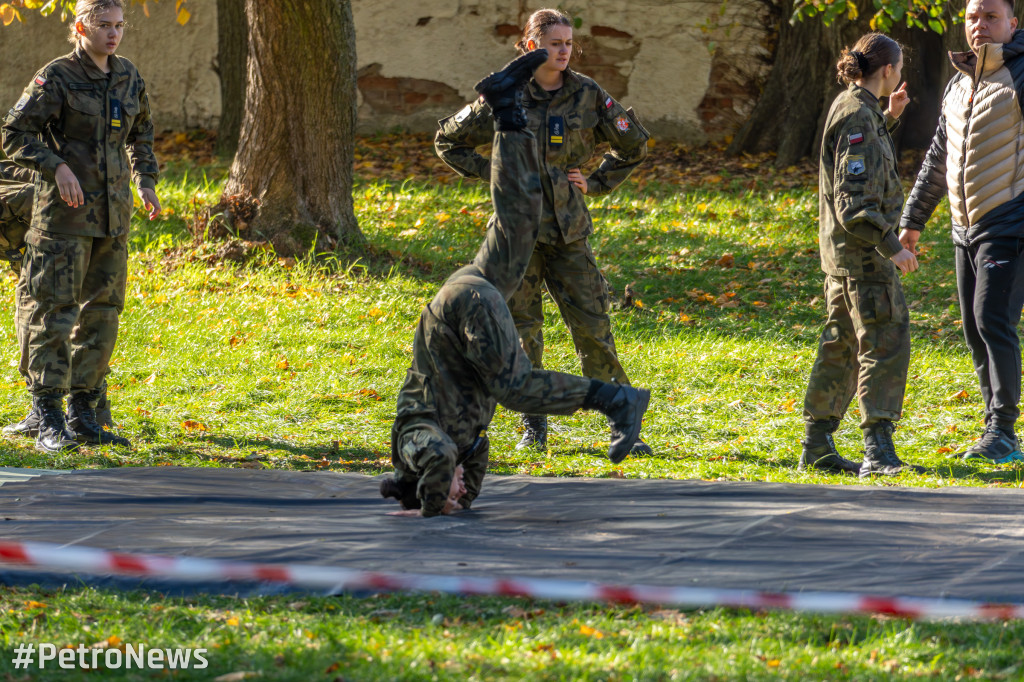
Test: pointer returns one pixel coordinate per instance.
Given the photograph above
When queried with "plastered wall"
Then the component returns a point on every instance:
(690, 68)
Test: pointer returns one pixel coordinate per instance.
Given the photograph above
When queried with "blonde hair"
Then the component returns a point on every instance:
(85, 10)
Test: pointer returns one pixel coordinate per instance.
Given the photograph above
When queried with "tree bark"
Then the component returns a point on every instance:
(801, 85)
(232, 53)
(295, 150)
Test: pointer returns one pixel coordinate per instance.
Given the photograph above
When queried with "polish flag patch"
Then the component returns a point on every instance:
(39, 80)
(608, 103)
(856, 138)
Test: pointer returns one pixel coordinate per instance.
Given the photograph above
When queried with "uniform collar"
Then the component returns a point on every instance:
(117, 70)
(570, 83)
(866, 96)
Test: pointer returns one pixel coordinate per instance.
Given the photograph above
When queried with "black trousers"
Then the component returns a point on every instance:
(990, 282)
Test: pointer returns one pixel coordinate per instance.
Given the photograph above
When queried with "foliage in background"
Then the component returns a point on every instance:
(10, 11)
(934, 15)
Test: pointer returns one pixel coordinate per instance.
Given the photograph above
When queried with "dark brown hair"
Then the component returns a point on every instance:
(539, 23)
(872, 52)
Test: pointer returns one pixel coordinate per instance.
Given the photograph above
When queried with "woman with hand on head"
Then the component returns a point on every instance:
(570, 115)
(864, 349)
(83, 124)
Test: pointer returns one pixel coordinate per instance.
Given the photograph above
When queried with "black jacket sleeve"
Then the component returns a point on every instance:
(930, 186)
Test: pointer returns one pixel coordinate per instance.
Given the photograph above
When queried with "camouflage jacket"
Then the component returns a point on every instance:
(16, 191)
(96, 123)
(859, 193)
(569, 124)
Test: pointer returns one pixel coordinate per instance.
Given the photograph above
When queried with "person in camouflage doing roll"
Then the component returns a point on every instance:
(570, 115)
(83, 125)
(17, 189)
(864, 349)
(467, 356)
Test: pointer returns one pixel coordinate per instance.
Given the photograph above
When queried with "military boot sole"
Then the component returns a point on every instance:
(105, 438)
(834, 464)
(617, 454)
(641, 449)
(67, 447)
(29, 431)
(527, 443)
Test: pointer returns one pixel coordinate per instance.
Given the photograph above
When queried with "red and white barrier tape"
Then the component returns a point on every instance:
(330, 579)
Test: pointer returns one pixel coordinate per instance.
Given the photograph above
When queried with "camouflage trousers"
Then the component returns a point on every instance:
(864, 350)
(572, 278)
(69, 298)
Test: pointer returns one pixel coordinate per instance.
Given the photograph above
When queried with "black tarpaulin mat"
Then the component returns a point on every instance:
(955, 543)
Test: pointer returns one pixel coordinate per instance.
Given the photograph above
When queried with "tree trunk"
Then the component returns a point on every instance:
(785, 118)
(801, 84)
(294, 159)
(232, 52)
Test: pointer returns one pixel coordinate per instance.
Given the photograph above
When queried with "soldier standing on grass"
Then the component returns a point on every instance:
(17, 188)
(570, 115)
(83, 125)
(466, 353)
(864, 349)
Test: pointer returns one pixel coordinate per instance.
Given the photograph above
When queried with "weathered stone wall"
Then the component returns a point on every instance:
(690, 68)
(176, 61)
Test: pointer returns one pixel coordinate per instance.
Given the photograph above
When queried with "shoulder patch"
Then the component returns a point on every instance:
(464, 113)
(39, 80)
(23, 102)
(609, 103)
(856, 137)
(855, 165)
(623, 124)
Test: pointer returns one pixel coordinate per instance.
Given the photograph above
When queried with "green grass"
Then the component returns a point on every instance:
(296, 366)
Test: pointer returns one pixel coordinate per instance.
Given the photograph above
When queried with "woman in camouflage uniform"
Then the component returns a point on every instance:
(570, 115)
(83, 125)
(864, 349)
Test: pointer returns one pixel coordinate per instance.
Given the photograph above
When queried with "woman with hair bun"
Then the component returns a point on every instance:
(570, 114)
(864, 349)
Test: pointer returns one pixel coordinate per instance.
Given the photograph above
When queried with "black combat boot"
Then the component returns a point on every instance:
(640, 448)
(535, 433)
(624, 406)
(53, 431)
(880, 452)
(27, 427)
(820, 449)
(103, 415)
(503, 90)
(82, 422)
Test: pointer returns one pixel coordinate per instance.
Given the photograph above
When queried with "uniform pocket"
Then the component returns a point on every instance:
(44, 259)
(416, 397)
(83, 115)
(873, 302)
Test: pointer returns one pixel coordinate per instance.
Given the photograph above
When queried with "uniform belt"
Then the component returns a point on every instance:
(472, 449)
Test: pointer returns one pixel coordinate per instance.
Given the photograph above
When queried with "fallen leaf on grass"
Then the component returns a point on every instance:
(944, 450)
(190, 425)
(962, 396)
(591, 632)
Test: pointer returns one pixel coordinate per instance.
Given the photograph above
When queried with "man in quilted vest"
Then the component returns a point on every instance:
(977, 158)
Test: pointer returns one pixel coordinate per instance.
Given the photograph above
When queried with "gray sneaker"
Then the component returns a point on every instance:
(997, 446)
